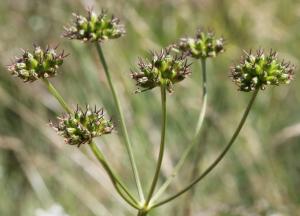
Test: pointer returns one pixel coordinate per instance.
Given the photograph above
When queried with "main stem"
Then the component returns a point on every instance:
(123, 126)
(115, 180)
(218, 159)
(162, 144)
(195, 140)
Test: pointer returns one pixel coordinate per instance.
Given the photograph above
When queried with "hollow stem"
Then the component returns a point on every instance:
(123, 125)
(217, 160)
(162, 145)
(194, 140)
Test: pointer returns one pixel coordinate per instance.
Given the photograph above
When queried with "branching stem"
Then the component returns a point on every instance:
(217, 160)
(195, 139)
(115, 180)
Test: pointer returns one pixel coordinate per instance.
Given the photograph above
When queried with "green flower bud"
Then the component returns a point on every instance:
(38, 53)
(94, 27)
(256, 71)
(20, 66)
(82, 126)
(204, 45)
(38, 64)
(164, 69)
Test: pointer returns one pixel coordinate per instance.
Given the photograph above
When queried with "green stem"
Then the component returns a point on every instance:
(123, 126)
(115, 180)
(97, 152)
(142, 213)
(218, 159)
(162, 144)
(204, 98)
(55, 93)
(194, 141)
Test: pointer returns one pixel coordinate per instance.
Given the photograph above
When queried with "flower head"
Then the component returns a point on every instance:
(94, 27)
(204, 45)
(163, 69)
(256, 71)
(82, 126)
(37, 64)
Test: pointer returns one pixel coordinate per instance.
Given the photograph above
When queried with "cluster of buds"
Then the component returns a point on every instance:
(38, 64)
(163, 69)
(256, 71)
(94, 27)
(204, 45)
(81, 126)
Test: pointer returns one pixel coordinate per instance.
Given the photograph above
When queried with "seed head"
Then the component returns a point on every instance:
(82, 126)
(256, 71)
(204, 45)
(94, 27)
(37, 64)
(163, 69)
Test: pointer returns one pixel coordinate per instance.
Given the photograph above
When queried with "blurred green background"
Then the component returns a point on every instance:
(41, 176)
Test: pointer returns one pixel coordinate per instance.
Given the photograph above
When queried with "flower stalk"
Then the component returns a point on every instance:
(194, 141)
(205, 45)
(218, 159)
(162, 144)
(56, 94)
(123, 125)
(115, 180)
(204, 98)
